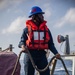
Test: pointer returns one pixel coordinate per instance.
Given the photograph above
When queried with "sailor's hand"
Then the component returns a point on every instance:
(24, 48)
(58, 56)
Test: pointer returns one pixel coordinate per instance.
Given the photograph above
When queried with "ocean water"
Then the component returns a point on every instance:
(59, 70)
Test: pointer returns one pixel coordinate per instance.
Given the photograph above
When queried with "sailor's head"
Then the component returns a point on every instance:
(36, 14)
(35, 10)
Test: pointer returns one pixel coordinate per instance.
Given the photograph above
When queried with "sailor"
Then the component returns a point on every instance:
(37, 37)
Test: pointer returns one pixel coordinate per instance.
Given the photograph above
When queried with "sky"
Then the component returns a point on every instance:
(59, 14)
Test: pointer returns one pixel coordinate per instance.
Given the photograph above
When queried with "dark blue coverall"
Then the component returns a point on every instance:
(39, 56)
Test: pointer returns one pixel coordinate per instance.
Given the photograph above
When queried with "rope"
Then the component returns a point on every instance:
(39, 70)
(64, 66)
(42, 70)
(13, 72)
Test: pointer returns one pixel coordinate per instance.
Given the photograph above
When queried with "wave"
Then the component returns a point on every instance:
(62, 69)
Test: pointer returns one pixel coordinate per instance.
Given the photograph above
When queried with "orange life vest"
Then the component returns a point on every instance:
(38, 37)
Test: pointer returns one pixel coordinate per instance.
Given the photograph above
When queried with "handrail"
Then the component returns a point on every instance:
(67, 55)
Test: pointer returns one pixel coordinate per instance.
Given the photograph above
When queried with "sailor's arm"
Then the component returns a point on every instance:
(52, 46)
(22, 42)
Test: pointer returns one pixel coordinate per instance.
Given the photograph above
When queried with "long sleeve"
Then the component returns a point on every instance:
(51, 45)
(23, 38)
